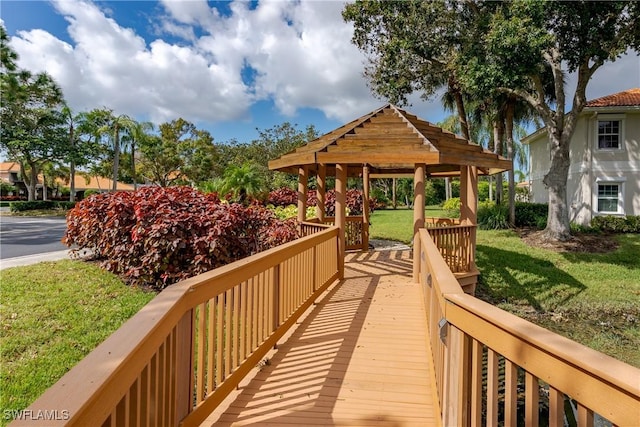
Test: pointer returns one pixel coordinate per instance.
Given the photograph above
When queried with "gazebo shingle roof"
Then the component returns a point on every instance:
(391, 141)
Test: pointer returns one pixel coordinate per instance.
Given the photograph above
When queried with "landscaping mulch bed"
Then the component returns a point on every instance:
(580, 242)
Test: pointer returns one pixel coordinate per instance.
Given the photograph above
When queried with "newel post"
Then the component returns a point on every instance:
(303, 178)
(418, 216)
(341, 220)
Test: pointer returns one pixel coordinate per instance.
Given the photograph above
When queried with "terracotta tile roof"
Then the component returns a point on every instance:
(626, 98)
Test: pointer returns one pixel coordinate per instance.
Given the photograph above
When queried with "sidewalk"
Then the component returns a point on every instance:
(33, 259)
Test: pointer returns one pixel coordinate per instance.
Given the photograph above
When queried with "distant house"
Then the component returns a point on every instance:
(10, 173)
(604, 176)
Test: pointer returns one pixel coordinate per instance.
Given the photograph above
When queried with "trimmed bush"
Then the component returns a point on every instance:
(158, 236)
(531, 214)
(40, 204)
(617, 224)
(32, 205)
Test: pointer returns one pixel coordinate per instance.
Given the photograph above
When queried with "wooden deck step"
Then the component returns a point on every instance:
(359, 358)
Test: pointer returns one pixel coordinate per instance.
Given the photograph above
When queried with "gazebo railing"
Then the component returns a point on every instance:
(456, 245)
(356, 232)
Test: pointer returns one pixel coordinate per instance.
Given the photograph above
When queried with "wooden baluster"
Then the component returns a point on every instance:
(492, 388)
(532, 398)
(476, 383)
(510, 394)
(200, 360)
(556, 408)
(585, 416)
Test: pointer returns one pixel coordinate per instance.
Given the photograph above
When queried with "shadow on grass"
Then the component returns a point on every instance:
(519, 279)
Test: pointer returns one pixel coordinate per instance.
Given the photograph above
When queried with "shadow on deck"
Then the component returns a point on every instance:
(359, 357)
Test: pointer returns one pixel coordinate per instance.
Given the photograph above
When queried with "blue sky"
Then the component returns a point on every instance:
(229, 67)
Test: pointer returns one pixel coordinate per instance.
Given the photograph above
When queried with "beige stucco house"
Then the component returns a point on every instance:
(604, 176)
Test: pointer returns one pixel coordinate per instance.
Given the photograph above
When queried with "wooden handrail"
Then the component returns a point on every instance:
(471, 340)
(183, 352)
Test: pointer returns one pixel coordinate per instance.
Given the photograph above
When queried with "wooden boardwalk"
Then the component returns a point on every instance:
(358, 358)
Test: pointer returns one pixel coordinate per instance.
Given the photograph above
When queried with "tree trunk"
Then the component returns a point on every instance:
(116, 158)
(462, 113)
(44, 186)
(133, 165)
(556, 182)
(498, 129)
(72, 181)
(72, 166)
(512, 185)
(393, 193)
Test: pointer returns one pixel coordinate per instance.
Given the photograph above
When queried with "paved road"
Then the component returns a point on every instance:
(20, 236)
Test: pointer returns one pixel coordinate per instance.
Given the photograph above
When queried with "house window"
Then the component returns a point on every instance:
(609, 197)
(609, 134)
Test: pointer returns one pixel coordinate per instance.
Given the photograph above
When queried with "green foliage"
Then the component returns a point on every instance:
(617, 224)
(6, 188)
(290, 211)
(40, 205)
(158, 236)
(531, 214)
(243, 182)
(181, 154)
(90, 192)
(452, 207)
(492, 216)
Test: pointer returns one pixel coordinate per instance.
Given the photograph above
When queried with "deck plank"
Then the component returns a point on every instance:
(359, 358)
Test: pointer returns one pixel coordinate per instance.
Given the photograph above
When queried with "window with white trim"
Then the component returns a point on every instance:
(609, 197)
(609, 135)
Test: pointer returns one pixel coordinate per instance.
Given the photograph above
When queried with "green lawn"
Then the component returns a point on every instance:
(591, 298)
(397, 224)
(52, 315)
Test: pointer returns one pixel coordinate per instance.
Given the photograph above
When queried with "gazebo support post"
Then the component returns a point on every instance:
(303, 178)
(321, 188)
(469, 203)
(341, 191)
(418, 215)
(365, 207)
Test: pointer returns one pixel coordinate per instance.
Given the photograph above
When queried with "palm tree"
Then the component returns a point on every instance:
(115, 128)
(137, 132)
(243, 181)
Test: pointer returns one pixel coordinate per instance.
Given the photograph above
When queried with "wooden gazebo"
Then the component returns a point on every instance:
(389, 142)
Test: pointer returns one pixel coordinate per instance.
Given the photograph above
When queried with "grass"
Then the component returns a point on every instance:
(593, 299)
(52, 315)
(397, 224)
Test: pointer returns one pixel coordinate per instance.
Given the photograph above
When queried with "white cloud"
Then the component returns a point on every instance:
(300, 52)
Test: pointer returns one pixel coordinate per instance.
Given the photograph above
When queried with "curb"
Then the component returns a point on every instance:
(33, 259)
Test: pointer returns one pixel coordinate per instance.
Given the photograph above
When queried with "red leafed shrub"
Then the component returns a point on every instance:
(353, 201)
(158, 236)
(283, 197)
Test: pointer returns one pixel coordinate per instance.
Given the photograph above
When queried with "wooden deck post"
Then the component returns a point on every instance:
(469, 204)
(303, 177)
(341, 191)
(365, 207)
(418, 215)
(321, 188)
